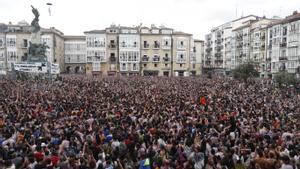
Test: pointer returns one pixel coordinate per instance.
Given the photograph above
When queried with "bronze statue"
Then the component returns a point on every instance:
(35, 21)
(37, 52)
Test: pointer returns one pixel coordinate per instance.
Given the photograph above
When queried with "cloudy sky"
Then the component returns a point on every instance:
(73, 17)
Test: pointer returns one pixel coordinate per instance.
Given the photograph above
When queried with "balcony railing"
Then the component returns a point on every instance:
(208, 49)
(166, 59)
(219, 60)
(112, 45)
(145, 59)
(156, 59)
(283, 44)
(270, 47)
(156, 46)
(146, 46)
(283, 58)
(218, 55)
(113, 59)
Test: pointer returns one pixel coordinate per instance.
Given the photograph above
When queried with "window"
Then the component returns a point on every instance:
(1, 42)
(155, 65)
(194, 66)
(135, 67)
(25, 43)
(166, 65)
(145, 65)
(181, 43)
(95, 41)
(11, 42)
(156, 45)
(180, 65)
(96, 66)
(123, 67)
(146, 45)
(12, 55)
(166, 42)
(96, 55)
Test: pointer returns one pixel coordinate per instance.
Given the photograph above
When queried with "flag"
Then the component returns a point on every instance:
(203, 101)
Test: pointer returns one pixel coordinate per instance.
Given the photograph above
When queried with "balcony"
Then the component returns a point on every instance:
(156, 59)
(219, 48)
(218, 55)
(270, 47)
(283, 45)
(145, 59)
(112, 45)
(156, 46)
(166, 59)
(146, 46)
(113, 59)
(219, 41)
(218, 60)
(283, 58)
(208, 50)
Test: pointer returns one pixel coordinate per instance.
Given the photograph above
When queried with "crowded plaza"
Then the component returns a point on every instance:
(79, 122)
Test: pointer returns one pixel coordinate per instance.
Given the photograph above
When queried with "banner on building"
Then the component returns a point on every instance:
(55, 68)
(2, 72)
(31, 67)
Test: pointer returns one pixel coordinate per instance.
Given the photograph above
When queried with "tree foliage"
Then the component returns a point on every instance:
(285, 79)
(245, 71)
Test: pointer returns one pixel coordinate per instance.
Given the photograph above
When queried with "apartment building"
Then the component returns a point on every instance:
(156, 51)
(219, 47)
(197, 54)
(75, 54)
(129, 51)
(283, 51)
(112, 40)
(15, 40)
(96, 52)
(181, 53)
(115, 50)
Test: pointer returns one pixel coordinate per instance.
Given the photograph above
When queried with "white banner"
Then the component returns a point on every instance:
(55, 68)
(31, 67)
(2, 72)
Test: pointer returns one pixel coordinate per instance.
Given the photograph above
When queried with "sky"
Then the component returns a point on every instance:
(198, 17)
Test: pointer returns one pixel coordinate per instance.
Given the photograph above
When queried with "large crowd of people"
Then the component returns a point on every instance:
(148, 123)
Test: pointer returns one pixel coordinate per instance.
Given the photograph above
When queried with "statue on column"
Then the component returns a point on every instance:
(35, 21)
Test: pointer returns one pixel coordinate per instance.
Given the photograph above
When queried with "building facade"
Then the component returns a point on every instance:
(156, 45)
(146, 51)
(15, 41)
(116, 50)
(75, 54)
(220, 46)
(271, 44)
(283, 45)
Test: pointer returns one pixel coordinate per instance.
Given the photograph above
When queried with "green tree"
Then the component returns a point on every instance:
(245, 71)
(285, 79)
